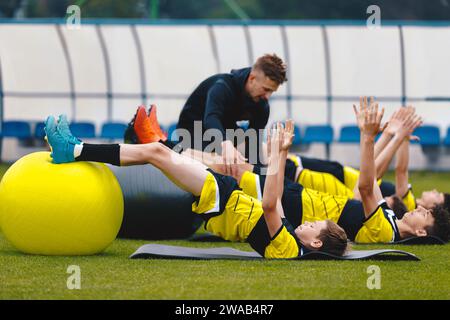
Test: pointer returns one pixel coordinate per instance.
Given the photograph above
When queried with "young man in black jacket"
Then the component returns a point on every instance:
(222, 100)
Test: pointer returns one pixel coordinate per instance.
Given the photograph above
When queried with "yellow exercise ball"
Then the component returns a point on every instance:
(59, 209)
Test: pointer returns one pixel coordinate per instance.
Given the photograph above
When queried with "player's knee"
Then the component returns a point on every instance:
(151, 151)
(159, 149)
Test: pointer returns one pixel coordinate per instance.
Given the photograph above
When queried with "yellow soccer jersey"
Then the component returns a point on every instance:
(238, 218)
(351, 176)
(379, 227)
(321, 206)
(304, 204)
(282, 246)
(327, 182)
(409, 200)
(323, 182)
(311, 205)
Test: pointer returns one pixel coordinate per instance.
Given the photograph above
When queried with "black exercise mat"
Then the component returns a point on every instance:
(421, 240)
(428, 240)
(160, 251)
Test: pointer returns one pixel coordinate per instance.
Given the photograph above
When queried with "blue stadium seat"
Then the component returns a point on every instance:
(113, 130)
(430, 136)
(16, 129)
(39, 132)
(83, 129)
(349, 134)
(297, 136)
(170, 131)
(318, 134)
(447, 138)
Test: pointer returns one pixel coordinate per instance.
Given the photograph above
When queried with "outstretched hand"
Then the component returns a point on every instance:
(396, 121)
(359, 113)
(411, 122)
(275, 138)
(370, 119)
(403, 122)
(280, 138)
(288, 135)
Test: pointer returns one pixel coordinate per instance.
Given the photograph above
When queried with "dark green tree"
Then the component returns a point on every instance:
(8, 8)
(232, 9)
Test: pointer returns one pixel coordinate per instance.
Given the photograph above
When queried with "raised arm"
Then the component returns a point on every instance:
(395, 130)
(408, 122)
(286, 141)
(401, 169)
(386, 135)
(272, 213)
(387, 132)
(402, 159)
(369, 119)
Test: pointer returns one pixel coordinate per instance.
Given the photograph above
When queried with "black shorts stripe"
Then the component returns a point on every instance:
(237, 201)
(337, 203)
(251, 210)
(324, 184)
(325, 207)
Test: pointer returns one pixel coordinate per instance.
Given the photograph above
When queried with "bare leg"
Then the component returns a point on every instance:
(185, 172)
(215, 162)
(212, 160)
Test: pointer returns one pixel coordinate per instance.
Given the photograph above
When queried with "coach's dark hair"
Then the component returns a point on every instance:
(441, 226)
(334, 239)
(273, 67)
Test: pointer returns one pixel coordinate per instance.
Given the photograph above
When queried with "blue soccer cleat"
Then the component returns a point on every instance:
(63, 128)
(62, 148)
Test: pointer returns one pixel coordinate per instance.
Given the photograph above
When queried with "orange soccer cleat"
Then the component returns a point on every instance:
(144, 129)
(154, 123)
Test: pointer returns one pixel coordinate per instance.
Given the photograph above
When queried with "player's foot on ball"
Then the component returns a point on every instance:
(64, 129)
(62, 148)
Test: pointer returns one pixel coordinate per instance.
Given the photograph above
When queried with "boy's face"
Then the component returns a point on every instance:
(308, 233)
(418, 220)
(430, 198)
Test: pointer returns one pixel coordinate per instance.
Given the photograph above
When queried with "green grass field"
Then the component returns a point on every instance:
(111, 275)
